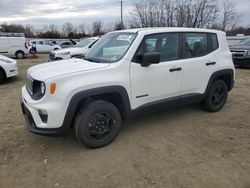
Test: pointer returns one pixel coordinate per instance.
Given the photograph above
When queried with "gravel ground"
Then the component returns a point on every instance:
(184, 147)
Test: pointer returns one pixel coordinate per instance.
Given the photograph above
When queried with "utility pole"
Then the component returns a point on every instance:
(122, 15)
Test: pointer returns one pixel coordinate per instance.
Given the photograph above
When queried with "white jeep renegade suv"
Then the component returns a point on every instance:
(124, 73)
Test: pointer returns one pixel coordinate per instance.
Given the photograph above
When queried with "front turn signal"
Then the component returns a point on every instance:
(52, 88)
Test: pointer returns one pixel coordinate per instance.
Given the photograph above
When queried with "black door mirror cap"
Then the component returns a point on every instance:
(150, 58)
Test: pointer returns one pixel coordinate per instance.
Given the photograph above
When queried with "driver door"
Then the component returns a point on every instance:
(157, 81)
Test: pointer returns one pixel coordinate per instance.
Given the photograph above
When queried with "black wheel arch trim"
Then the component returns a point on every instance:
(3, 71)
(217, 74)
(80, 96)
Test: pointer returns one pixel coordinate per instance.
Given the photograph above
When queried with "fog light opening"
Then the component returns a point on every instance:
(43, 115)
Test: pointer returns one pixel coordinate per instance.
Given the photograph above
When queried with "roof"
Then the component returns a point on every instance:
(168, 29)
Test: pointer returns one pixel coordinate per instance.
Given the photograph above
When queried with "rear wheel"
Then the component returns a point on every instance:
(97, 124)
(217, 96)
(19, 55)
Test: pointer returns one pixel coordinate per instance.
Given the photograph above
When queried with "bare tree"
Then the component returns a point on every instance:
(196, 13)
(182, 13)
(97, 28)
(68, 29)
(230, 17)
(81, 28)
(148, 13)
(118, 26)
(49, 31)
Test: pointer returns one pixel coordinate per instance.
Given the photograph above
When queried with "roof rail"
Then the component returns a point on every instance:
(4, 34)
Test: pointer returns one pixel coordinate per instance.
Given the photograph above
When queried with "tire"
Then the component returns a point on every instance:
(216, 96)
(2, 77)
(97, 124)
(19, 55)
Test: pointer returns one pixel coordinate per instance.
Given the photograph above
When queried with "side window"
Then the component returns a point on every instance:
(196, 44)
(166, 44)
(214, 42)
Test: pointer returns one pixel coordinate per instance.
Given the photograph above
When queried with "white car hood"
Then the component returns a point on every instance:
(72, 51)
(46, 71)
(8, 59)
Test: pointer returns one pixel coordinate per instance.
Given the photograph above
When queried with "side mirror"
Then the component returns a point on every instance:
(150, 58)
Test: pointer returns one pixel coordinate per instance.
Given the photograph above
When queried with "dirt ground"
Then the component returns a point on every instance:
(183, 148)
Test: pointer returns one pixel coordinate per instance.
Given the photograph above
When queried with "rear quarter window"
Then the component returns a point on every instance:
(214, 42)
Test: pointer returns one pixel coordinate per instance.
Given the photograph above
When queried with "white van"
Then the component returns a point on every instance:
(13, 47)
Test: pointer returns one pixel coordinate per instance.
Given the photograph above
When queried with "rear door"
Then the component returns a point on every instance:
(157, 81)
(199, 61)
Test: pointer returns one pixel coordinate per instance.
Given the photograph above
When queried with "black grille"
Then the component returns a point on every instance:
(51, 55)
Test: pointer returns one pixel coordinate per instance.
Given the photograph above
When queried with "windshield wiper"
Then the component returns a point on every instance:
(92, 60)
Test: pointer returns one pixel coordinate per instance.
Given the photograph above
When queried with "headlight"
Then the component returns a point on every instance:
(42, 88)
(6, 61)
(64, 53)
(39, 89)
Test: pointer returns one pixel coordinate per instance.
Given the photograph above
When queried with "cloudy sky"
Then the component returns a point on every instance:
(40, 12)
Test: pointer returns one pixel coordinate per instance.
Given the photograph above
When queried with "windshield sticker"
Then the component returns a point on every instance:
(125, 37)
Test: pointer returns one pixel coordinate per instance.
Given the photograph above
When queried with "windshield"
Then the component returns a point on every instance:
(245, 42)
(85, 42)
(111, 47)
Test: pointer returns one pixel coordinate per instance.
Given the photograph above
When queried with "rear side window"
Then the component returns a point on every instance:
(196, 45)
(167, 44)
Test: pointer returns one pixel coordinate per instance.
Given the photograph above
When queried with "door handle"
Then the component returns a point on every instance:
(175, 69)
(210, 63)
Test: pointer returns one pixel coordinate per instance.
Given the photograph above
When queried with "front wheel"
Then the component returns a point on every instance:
(97, 124)
(216, 96)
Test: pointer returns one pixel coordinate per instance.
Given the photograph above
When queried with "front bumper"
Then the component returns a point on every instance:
(32, 127)
(11, 70)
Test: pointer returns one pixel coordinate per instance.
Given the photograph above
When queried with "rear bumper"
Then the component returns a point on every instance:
(31, 126)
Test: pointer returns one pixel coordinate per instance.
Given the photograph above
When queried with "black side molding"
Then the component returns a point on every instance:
(224, 72)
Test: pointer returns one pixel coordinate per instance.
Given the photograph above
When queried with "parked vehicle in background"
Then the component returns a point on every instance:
(125, 73)
(67, 44)
(234, 40)
(8, 68)
(14, 47)
(78, 51)
(44, 46)
(241, 53)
